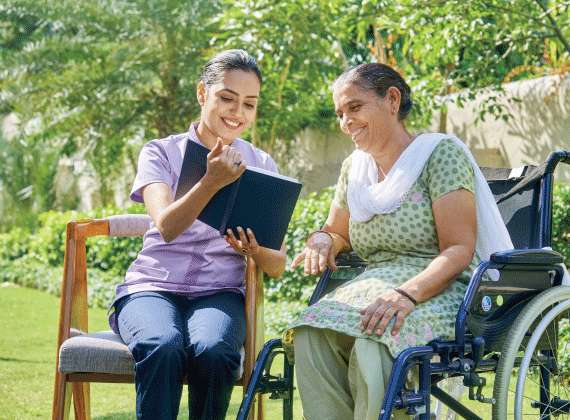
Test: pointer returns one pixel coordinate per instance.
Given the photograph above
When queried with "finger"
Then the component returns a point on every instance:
(367, 314)
(232, 236)
(251, 237)
(242, 237)
(331, 260)
(298, 258)
(217, 149)
(307, 268)
(386, 318)
(400, 319)
(374, 319)
(232, 241)
(237, 157)
(231, 155)
(241, 168)
(314, 263)
(322, 261)
(225, 154)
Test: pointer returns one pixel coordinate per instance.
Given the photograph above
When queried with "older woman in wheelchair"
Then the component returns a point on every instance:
(422, 215)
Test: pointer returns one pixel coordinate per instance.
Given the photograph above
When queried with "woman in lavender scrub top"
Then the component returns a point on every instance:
(181, 307)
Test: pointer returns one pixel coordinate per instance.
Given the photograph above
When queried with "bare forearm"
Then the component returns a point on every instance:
(179, 215)
(440, 273)
(271, 261)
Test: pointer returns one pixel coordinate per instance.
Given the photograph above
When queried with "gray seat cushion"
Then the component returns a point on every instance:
(100, 352)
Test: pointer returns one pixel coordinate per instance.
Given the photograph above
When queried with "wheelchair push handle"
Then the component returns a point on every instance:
(555, 158)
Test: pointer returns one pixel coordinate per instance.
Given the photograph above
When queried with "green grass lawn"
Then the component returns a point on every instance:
(28, 320)
(27, 358)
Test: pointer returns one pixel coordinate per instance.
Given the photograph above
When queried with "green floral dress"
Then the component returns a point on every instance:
(398, 246)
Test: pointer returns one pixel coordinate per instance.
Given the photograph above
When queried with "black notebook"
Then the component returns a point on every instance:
(260, 200)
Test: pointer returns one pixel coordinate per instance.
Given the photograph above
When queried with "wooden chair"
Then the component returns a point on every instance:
(99, 350)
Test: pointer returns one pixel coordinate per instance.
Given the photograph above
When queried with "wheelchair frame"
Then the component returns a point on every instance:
(460, 357)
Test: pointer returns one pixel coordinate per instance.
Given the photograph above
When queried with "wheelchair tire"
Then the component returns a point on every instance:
(516, 346)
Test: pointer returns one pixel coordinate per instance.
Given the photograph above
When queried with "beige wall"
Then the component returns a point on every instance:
(316, 158)
(540, 124)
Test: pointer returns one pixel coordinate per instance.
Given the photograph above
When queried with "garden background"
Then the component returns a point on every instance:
(83, 85)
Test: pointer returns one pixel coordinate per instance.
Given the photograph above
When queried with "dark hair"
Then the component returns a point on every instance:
(378, 78)
(214, 69)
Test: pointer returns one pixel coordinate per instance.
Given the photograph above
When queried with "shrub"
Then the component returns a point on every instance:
(309, 215)
(561, 220)
(36, 260)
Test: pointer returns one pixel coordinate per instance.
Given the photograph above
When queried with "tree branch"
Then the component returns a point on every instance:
(559, 33)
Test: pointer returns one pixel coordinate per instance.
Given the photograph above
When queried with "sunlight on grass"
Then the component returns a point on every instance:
(27, 363)
(27, 360)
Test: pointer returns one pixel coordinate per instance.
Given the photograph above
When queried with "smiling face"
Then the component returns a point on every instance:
(367, 118)
(228, 107)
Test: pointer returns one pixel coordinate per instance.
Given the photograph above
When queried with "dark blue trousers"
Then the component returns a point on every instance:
(172, 337)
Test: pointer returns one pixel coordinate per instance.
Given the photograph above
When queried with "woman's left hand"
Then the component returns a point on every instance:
(377, 315)
(246, 244)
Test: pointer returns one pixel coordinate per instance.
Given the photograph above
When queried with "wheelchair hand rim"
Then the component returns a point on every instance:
(525, 363)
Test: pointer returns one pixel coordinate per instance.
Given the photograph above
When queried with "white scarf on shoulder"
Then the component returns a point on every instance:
(368, 197)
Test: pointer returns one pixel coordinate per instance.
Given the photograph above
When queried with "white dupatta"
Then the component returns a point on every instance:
(368, 197)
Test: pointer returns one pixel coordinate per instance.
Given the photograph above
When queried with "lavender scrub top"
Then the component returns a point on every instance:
(199, 261)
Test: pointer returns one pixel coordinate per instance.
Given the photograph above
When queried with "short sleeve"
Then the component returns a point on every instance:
(270, 165)
(340, 200)
(449, 169)
(153, 166)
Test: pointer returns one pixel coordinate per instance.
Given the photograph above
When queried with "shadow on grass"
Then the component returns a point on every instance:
(13, 359)
(182, 414)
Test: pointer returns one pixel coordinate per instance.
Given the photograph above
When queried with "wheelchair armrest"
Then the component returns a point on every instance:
(349, 259)
(539, 256)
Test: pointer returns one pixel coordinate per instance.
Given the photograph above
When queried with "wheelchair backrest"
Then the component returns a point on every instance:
(497, 304)
(517, 193)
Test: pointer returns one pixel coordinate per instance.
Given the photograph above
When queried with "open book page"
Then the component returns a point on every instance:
(274, 174)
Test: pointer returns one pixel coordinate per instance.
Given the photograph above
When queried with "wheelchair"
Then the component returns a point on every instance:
(516, 327)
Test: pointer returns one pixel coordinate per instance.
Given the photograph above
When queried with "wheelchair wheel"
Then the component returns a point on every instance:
(532, 379)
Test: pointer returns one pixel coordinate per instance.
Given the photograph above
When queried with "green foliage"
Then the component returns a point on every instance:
(100, 78)
(95, 80)
(293, 42)
(561, 220)
(280, 315)
(309, 215)
(458, 46)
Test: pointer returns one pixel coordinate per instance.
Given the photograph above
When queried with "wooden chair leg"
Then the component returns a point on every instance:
(61, 398)
(253, 410)
(81, 400)
(260, 413)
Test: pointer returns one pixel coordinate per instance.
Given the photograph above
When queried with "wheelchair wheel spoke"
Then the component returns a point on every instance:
(533, 379)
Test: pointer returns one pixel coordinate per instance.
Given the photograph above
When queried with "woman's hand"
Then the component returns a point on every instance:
(377, 315)
(225, 165)
(246, 244)
(318, 254)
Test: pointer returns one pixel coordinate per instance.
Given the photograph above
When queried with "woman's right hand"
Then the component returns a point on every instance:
(224, 165)
(318, 254)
